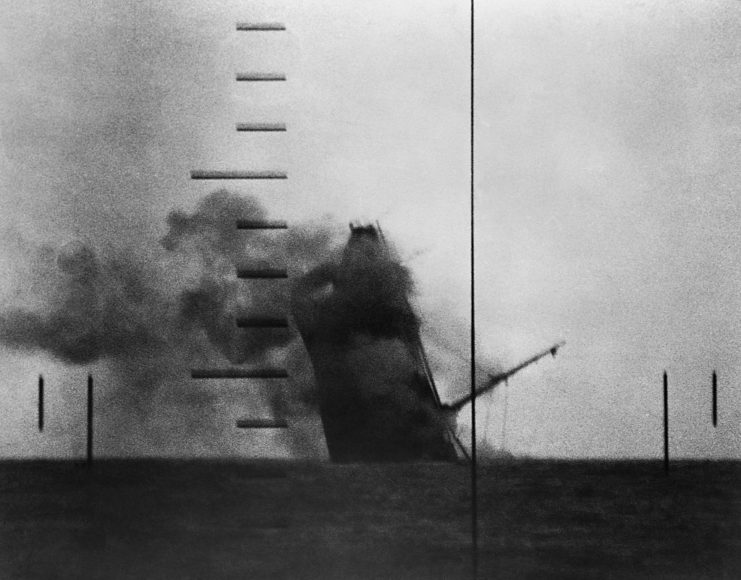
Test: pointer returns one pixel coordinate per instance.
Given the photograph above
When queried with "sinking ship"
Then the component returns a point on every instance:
(377, 396)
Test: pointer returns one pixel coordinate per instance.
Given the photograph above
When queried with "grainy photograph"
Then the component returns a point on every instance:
(324, 289)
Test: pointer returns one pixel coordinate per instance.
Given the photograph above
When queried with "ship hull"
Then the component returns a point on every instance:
(376, 397)
(350, 440)
(382, 422)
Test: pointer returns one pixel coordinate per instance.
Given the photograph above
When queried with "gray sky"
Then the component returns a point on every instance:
(607, 164)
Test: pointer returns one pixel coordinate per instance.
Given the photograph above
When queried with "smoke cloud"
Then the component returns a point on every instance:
(365, 291)
(150, 314)
(98, 135)
(117, 304)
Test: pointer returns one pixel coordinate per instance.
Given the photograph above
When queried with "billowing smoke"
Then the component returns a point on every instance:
(119, 303)
(365, 291)
(150, 314)
(96, 133)
(93, 307)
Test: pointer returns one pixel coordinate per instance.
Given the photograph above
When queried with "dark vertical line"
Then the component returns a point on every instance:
(715, 399)
(89, 420)
(474, 460)
(41, 402)
(666, 424)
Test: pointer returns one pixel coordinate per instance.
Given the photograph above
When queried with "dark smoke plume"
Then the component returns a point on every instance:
(150, 314)
(95, 307)
(118, 303)
(364, 292)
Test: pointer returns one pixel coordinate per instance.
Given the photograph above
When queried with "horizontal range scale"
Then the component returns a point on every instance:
(262, 225)
(237, 373)
(262, 322)
(254, 321)
(260, 26)
(262, 273)
(260, 76)
(262, 424)
(257, 127)
(236, 174)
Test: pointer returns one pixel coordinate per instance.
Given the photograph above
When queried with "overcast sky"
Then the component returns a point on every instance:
(607, 144)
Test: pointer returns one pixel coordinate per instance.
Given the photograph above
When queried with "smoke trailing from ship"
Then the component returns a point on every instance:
(145, 315)
(93, 304)
(150, 314)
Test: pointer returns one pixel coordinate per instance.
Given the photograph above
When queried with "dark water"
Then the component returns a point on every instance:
(203, 520)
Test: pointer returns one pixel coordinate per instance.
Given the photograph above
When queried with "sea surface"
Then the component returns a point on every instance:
(153, 519)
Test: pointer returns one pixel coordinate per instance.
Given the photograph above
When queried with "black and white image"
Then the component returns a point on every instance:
(403, 289)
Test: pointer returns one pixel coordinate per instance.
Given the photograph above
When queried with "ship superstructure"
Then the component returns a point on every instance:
(377, 397)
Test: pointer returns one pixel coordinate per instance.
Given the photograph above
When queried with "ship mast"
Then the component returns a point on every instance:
(499, 378)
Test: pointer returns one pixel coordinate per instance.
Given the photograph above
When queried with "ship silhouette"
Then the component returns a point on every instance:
(377, 396)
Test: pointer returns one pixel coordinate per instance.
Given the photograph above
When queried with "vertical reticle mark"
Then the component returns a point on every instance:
(715, 399)
(253, 321)
(666, 424)
(41, 403)
(89, 420)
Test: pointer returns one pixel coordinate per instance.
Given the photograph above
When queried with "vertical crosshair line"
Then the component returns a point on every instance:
(474, 490)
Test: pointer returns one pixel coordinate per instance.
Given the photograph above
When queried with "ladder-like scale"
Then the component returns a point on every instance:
(253, 323)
